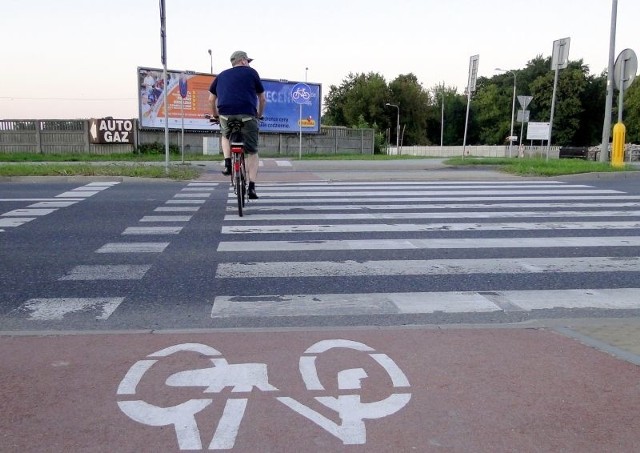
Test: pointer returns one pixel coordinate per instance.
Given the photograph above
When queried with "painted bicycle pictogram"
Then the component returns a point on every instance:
(245, 377)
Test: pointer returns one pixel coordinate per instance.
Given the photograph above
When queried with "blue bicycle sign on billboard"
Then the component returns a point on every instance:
(301, 93)
(291, 106)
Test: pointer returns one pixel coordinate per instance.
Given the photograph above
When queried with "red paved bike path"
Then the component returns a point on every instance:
(481, 390)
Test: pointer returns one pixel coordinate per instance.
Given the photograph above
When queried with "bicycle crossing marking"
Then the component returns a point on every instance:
(45, 206)
(56, 309)
(107, 272)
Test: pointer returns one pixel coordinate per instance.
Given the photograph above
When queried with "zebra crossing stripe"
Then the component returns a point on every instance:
(350, 268)
(433, 215)
(423, 206)
(422, 187)
(265, 201)
(423, 302)
(434, 227)
(385, 193)
(435, 243)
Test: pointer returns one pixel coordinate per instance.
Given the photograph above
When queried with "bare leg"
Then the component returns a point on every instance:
(226, 147)
(252, 166)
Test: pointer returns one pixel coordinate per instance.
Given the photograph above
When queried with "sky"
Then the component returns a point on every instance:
(78, 58)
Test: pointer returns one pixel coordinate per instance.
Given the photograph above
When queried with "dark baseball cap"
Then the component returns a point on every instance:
(240, 55)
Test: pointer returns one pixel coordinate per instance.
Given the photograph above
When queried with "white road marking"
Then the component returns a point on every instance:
(186, 201)
(15, 221)
(28, 212)
(193, 195)
(422, 302)
(435, 243)
(133, 247)
(166, 218)
(424, 206)
(52, 204)
(434, 215)
(388, 193)
(107, 272)
(176, 209)
(56, 309)
(315, 201)
(435, 227)
(77, 194)
(394, 186)
(283, 163)
(152, 230)
(295, 269)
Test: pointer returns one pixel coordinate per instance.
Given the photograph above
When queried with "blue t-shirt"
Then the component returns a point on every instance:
(237, 90)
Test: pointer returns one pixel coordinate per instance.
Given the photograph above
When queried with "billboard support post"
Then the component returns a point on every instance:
(163, 57)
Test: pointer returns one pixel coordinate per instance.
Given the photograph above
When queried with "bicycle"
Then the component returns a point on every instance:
(238, 168)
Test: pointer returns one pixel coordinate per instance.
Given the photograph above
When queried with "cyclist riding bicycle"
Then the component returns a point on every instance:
(237, 93)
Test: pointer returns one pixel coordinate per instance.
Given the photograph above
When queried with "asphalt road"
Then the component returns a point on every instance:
(151, 255)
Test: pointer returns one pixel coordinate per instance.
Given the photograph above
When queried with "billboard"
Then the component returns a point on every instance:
(188, 92)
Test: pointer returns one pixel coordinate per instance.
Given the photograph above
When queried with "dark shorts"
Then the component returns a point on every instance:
(249, 130)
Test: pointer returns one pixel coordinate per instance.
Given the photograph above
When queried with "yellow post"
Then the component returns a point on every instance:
(617, 147)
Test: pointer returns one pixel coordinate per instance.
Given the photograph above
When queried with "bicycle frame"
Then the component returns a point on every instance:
(238, 169)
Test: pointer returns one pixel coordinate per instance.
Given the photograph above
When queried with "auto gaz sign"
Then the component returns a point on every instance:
(109, 130)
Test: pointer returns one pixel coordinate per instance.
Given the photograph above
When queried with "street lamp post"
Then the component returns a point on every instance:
(442, 120)
(513, 105)
(397, 126)
(211, 59)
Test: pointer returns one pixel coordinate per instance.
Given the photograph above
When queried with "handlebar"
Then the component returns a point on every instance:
(216, 119)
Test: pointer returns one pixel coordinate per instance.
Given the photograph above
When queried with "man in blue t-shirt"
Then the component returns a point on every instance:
(237, 93)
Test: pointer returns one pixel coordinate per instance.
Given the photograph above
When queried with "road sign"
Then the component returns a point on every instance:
(524, 101)
(538, 131)
(560, 57)
(473, 73)
(526, 116)
(625, 69)
(301, 93)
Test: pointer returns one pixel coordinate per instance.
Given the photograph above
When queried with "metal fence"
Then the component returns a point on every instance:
(72, 136)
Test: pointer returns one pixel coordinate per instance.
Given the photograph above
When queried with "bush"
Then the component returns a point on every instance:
(157, 148)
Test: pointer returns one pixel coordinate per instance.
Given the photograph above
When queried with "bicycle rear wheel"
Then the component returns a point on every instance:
(239, 188)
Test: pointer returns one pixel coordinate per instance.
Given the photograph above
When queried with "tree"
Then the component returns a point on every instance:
(631, 113)
(413, 100)
(359, 95)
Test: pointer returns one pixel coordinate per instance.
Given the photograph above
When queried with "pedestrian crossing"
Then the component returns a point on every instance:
(548, 229)
(322, 249)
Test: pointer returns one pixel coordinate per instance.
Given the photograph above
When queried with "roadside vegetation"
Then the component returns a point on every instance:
(178, 172)
(539, 166)
(149, 165)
